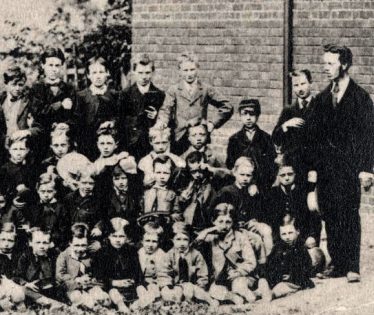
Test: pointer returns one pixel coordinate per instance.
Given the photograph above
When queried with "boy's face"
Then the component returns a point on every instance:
(18, 152)
(197, 136)
(7, 241)
(52, 68)
(86, 185)
(120, 182)
(143, 74)
(150, 243)
(181, 242)
(40, 243)
(15, 88)
(286, 175)
(223, 223)
(98, 74)
(332, 66)
(79, 246)
(248, 117)
(196, 171)
(106, 145)
(288, 234)
(2, 202)
(117, 239)
(301, 86)
(46, 192)
(243, 175)
(188, 71)
(160, 144)
(162, 173)
(60, 145)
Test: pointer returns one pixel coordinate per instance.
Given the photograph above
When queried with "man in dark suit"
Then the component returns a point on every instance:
(138, 106)
(290, 134)
(342, 129)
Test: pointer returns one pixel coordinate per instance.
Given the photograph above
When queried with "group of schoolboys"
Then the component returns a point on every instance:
(117, 198)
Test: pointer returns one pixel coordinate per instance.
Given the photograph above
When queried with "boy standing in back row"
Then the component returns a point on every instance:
(188, 101)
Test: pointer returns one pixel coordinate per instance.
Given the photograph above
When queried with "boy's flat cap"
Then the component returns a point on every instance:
(252, 103)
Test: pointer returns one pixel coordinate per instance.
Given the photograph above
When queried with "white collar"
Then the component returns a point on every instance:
(308, 99)
(143, 89)
(191, 87)
(98, 91)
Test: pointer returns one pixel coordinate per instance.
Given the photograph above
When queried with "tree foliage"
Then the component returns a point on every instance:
(82, 29)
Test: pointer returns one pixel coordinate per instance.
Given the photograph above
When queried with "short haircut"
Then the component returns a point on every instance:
(36, 229)
(164, 159)
(345, 54)
(155, 132)
(79, 230)
(144, 60)
(46, 178)
(288, 219)
(118, 171)
(109, 130)
(223, 208)
(189, 57)
(198, 124)
(243, 160)
(97, 59)
(16, 138)
(8, 227)
(118, 224)
(152, 228)
(14, 73)
(183, 228)
(306, 72)
(195, 157)
(52, 53)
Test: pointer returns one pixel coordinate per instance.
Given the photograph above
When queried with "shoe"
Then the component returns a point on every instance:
(332, 272)
(353, 277)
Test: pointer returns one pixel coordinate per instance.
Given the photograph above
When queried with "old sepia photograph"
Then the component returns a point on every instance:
(186, 157)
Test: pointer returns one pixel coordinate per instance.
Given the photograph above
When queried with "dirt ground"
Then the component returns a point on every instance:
(334, 296)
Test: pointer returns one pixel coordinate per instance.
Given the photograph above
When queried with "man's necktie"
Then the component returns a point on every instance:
(304, 104)
(183, 270)
(335, 91)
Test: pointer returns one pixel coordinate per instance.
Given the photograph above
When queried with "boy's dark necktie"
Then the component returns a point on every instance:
(183, 269)
(335, 91)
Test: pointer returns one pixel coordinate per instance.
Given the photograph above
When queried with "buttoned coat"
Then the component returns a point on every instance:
(197, 267)
(179, 107)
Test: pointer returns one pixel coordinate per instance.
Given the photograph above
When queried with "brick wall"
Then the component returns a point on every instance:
(348, 22)
(240, 46)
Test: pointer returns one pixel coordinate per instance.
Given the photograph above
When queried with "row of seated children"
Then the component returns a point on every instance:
(125, 276)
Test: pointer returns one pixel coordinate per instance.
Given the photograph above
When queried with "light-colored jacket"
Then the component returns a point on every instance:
(197, 268)
(180, 107)
(68, 268)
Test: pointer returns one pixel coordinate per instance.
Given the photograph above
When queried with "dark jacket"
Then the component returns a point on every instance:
(260, 149)
(7, 265)
(111, 264)
(49, 106)
(292, 260)
(343, 145)
(88, 209)
(93, 110)
(133, 119)
(12, 175)
(295, 141)
(279, 203)
(54, 218)
(247, 207)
